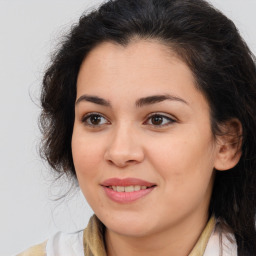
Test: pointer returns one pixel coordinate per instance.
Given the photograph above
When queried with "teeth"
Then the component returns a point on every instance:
(128, 188)
(119, 189)
(136, 188)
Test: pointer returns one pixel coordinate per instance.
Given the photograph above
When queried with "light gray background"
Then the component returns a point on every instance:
(29, 31)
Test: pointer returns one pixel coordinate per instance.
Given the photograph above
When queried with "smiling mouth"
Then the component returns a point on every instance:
(129, 188)
(127, 194)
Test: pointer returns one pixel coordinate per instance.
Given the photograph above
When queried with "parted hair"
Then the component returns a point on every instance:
(224, 70)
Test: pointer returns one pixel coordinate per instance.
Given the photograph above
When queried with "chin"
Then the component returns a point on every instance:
(127, 224)
(130, 231)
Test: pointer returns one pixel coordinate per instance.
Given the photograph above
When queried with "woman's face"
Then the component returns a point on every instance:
(142, 144)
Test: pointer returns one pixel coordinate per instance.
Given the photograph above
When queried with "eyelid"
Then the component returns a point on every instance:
(171, 119)
(88, 115)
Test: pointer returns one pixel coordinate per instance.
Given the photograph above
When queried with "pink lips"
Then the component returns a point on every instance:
(126, 182)
(126, 197)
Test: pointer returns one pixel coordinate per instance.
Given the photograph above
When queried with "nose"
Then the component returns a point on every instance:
(124, 148)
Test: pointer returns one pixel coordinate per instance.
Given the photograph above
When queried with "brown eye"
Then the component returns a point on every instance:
(158, 120)
(94, 120)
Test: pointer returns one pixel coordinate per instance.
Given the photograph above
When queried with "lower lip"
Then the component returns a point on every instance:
(126, 197)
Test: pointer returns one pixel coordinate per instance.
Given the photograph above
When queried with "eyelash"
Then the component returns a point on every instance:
(86, 117)
(169, 119)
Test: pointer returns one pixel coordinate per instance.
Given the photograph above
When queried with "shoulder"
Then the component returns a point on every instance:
(66, 244)
(222, 241)
(36, 250)
(59, 244)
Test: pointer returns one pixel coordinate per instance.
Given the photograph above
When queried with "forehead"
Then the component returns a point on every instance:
(141, 68)
(152, 51)
(140, 59)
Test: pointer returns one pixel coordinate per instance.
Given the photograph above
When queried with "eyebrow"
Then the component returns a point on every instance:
(94, 99)
(149, 100)
(156, 99)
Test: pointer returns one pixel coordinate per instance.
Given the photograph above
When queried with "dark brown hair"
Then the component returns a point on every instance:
(221, 62)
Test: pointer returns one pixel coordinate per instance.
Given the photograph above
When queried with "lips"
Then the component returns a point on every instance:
(126, 182)
(127, 190)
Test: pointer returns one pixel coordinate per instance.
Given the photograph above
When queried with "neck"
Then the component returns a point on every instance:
(177, 240)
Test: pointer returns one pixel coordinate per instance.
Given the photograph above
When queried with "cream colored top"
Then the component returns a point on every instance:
(213, 241)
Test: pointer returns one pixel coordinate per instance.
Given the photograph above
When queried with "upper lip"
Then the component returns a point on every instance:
(126, 182)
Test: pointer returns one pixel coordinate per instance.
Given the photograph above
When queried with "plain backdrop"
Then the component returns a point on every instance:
(29, 32)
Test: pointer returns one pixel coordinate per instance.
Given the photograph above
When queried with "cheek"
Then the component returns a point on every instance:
(184, 162)
(87, 156)
(186, 176)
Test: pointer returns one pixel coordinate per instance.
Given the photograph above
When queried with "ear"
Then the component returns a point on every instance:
(229, 145)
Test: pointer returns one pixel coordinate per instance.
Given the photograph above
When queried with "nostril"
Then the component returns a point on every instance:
(130, 161)
(122, 158)
(121, 163)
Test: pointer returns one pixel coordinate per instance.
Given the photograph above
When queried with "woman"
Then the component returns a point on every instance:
(151, 106)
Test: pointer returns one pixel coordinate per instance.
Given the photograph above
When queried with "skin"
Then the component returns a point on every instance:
(178, 156)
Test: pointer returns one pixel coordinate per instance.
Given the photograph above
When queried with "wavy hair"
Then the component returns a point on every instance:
(221, 62)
